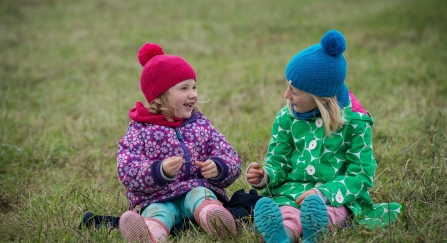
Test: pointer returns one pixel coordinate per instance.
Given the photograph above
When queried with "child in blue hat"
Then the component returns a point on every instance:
(320, 163)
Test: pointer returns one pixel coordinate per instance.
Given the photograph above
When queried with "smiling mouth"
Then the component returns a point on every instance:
(189, 105)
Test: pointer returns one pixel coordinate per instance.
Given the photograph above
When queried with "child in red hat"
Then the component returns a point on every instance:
(172, 161)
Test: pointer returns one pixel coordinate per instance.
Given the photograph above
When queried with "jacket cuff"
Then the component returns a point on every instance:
(223, 169)
(319, 193)
(263, 181)
(157, 173)
(169, 179)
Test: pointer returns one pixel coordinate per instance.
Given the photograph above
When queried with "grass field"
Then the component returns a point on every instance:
(69, 74)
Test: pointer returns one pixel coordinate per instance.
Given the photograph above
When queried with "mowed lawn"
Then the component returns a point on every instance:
(69, 73)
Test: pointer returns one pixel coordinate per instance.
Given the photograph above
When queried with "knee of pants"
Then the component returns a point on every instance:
(195, 197)
(156, 210)
(338, 215)
(291, 219)
(167, 212)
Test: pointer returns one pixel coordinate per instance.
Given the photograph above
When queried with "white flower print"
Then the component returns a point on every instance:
(215, 137)
(310, 169)
(121, 158)
(189, 136)
(172, 138)
(178, 152)
(128, 140)
(339, 197)
(166, 147)
(164, 150)
(200, 146)
(132, 172)
(158, 135)
(134, 183)
(201, 134)
(152, 149)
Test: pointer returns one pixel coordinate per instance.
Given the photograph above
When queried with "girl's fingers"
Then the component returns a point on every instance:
(200, 164)
(251, 175)
(207, 165)
(254, 181)
(254, 176)
(209, 173)
(256, 172)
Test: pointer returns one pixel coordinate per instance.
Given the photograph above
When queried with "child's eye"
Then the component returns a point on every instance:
(293, 92)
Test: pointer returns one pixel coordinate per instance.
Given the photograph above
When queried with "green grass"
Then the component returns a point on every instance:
(69, 74)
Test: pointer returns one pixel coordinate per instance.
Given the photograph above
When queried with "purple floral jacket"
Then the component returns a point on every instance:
(144, 147)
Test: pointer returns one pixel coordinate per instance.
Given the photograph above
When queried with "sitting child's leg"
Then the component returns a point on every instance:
(94, 221)
(314, 217)
(153, 225)
(269, 221)
(202, 205)
(337, 216)
(292, 222)
(285, 224)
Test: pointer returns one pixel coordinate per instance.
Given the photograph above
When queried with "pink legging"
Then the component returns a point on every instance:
(291, 218)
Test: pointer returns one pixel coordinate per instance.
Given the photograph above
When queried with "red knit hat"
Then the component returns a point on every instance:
(160, 71)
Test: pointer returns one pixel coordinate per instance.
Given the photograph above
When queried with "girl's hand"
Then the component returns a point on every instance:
(209, 168)
(304, 195)
(255, 174)
(171, 166)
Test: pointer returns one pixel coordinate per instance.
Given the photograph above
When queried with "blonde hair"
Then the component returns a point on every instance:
(160, 105)
(331, 113)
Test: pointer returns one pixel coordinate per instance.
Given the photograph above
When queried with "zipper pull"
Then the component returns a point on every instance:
(179, 135)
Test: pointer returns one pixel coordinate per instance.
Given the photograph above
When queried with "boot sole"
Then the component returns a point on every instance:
(314, 218)
(133, 228)
(269, 222)
(221, 223)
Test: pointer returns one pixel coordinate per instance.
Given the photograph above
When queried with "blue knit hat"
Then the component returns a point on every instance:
(321, 68)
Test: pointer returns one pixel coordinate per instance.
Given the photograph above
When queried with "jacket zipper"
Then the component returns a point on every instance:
(186, 153)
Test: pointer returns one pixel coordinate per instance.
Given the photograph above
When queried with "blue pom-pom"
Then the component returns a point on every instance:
(333, 43)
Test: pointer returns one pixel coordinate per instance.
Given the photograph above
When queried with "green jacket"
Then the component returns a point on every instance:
(300, 157)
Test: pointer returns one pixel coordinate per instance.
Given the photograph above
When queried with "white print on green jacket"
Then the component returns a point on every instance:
(300, 157)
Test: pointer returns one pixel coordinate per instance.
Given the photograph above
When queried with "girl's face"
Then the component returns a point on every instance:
(301, 101)
(183, 97)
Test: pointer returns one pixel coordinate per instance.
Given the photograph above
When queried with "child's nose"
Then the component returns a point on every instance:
(192, 94)
(287, 95)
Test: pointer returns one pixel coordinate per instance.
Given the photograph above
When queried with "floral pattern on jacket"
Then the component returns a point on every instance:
(144, 147)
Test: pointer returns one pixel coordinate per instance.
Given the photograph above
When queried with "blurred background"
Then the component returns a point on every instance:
(69, 74)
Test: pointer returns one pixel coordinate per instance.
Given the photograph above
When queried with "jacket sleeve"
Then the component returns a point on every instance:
(360, 167)
(136, 172)
(225, 156)
(277, 160)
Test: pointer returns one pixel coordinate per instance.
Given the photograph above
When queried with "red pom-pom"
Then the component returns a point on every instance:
(148, 51)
